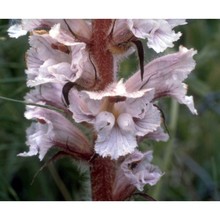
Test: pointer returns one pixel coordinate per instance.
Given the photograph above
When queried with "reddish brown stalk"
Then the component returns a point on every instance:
(102, 169)
(102, 178)
(101, 56)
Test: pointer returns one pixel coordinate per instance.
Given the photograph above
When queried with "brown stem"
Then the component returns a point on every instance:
(102, 169)
(102, 57)
(102, 178)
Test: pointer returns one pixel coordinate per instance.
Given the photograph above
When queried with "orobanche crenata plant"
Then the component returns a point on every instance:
(72, 68)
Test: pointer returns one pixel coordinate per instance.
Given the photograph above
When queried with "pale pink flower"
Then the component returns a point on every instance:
(157, 135)
(166, 75)
(49, 94)
(54, 130)
(135, 170)
(159, 33)
(124, 112)
(118, 117)
(73, 86)
(49, 61)
(81, 28)
(51, 128)
(16, 30)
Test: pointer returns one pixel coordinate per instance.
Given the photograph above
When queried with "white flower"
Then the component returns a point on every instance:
(15, 31)
(135, 170)
(159, 33)
(53, 129)
(166, 75)
(49, 61)
(72, 64)
(117, 116)
(138, 169)
(81, 28)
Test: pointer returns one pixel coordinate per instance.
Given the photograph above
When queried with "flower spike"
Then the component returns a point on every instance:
(85, 110)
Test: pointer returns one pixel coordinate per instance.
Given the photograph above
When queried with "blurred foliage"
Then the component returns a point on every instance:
(192, 153)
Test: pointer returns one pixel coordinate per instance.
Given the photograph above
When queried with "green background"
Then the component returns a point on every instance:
(190, 159)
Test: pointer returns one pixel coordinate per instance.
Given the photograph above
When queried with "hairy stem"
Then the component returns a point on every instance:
(102, 177)
(102, 169)
(102, 57)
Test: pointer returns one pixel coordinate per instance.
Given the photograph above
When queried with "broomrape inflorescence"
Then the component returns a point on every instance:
(72, 66)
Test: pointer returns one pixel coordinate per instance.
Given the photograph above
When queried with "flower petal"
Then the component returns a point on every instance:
(53, 129)
(80, 27)
(121, 31)
(82, 66)
(47, 64)
(116, 144)
(42, 49)
(158, 135)
(176, 22)
(32, 24)
(62, 36)
(38, 140)
(117, 89)
(50, 94)
(16, 30)
(141, 27)
(67, 31)
(150, 122)
(62, 72)
(83, 108)
(139, 171)
(126, 123)
(158, 32)
(111, 140)
(165, 75)
(40, 57)
(146, 116)
(135, 171)
(104, 123)
(162, 36)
